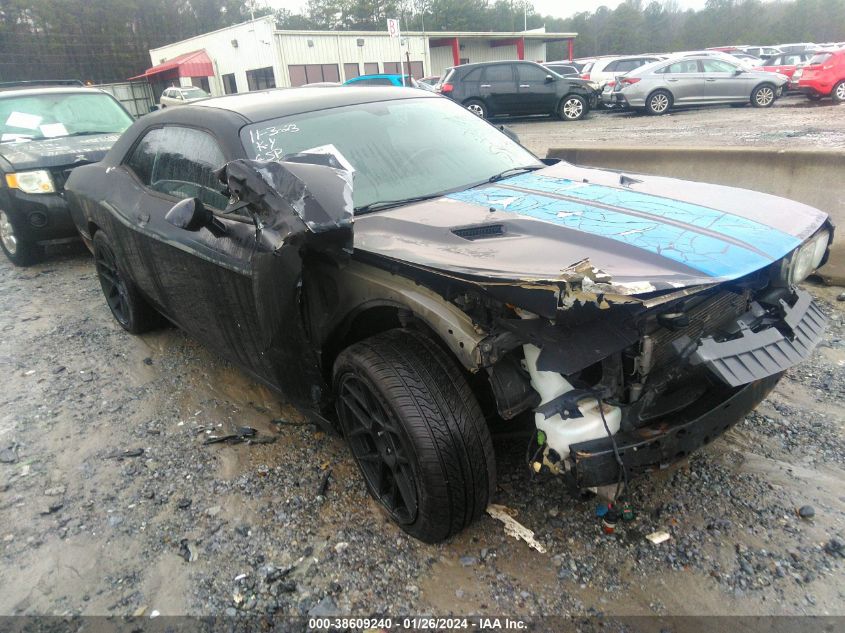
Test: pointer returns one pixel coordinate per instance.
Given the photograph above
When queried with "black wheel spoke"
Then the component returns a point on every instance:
(406, 490)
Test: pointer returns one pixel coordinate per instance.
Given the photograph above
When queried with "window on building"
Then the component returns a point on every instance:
(464, 60)
(416, 70)
(301, 74)
(350, 71)
(261, 78)
(391, 68)
(201, 82)
(371, 68)
(230, 85)
(180, 162)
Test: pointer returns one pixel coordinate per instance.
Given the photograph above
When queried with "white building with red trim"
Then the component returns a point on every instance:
(256, 55)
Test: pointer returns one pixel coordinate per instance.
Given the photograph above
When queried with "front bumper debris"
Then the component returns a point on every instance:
(658, 445)
(756, 355)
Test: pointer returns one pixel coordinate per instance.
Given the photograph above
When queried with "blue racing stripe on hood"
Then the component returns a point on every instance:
(770, 241)
(703, 252)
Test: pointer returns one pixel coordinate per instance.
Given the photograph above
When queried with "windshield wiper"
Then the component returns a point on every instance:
(88, 133)
(389, 204)
(513, 171)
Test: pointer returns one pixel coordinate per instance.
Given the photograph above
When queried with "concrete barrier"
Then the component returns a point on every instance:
(814, 177)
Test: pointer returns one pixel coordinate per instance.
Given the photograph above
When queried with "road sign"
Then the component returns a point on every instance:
(393, 28)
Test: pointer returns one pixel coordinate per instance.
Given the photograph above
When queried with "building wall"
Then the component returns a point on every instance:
(260, 45)
(256, 48)
(340, 49)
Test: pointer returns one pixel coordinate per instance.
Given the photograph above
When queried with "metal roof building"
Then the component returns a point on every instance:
(255, 55)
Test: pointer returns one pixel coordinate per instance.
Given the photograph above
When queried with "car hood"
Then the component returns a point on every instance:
(639, 233)
(55, 152)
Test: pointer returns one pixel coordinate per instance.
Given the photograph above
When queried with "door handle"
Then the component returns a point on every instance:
(708, 79)
(672, 80)
(524, 86)
(484, 86)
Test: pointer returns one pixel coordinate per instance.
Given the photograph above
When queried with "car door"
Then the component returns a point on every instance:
(537, 95)
(724, 81)
(685, 80)
(199, 279)
(499, 90)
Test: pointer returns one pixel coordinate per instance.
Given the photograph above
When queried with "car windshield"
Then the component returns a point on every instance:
(400, 149)
(194, 93)
(53, 115)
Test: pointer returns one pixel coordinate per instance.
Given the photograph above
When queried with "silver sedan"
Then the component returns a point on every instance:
(696, 80)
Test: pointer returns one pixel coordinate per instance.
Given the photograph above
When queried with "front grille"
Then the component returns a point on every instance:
(704, 318)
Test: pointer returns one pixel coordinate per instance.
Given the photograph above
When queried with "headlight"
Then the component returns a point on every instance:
(806, 258)
(38, 181)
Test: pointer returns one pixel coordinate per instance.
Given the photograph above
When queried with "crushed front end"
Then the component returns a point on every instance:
(621, 386)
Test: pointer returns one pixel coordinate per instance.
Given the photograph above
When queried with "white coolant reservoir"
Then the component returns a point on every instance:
(561, 432)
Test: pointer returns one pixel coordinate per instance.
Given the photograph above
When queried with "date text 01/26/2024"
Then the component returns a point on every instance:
(477, 623)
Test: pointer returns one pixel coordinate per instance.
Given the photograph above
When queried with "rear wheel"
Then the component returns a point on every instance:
(128, 307)
(416, 432)
(477, 107)
(658, 102)
(763, 96)
(838, 92)
(19, 250)
(573, 108)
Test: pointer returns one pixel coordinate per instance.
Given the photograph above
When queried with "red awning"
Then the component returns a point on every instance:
(195, 64)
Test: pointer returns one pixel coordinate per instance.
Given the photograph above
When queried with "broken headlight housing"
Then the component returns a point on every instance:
(805, 259)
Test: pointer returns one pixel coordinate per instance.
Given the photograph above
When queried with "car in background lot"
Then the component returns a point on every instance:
(637, 319)
(428, 83)
(518, 88)
(760, 51)
(823, 76)
(607, 69)
(176, 96)
(696, 80)
(563, 69)
(382, 79)
(785, 63)
(797, 47)
(45, 132)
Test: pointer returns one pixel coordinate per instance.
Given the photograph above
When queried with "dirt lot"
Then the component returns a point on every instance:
(106, 487)
(793, 122)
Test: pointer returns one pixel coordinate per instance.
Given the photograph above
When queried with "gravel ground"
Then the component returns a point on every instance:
(792, 123)
(110, 502)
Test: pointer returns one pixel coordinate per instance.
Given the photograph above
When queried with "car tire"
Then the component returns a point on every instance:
(477, 107)
(659, 102)
(416, 432)
(19, 250)
(763, 96)
(838, 92)
(572, 108)
(128, 307)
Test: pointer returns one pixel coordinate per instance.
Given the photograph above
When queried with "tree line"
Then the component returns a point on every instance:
(109, 40)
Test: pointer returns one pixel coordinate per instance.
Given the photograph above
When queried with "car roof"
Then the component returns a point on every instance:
(279, 102)
(500, 61)
(28, 92)
(378, 76)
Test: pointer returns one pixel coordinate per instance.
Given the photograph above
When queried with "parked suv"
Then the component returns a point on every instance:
(496, 88)
(823, 76)
(45, 131)
(176, 96)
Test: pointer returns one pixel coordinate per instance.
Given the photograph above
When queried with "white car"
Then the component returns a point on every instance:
(607, 69)
(180, 96)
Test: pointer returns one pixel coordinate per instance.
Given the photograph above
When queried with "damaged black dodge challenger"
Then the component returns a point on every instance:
(392, 264)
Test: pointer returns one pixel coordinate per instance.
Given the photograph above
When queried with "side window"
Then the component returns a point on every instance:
(717, 66)
(612, 67)
(473, 75)
(180, 162)
(498, 74)
(686, 66)
(626, 65)
(791, 60)
(531, 73)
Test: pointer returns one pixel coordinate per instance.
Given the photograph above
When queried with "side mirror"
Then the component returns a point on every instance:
(738, 71)
(189, 214)
(549, 79)
(153, 108)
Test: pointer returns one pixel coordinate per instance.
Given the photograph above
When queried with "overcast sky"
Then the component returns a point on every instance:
(556, 8)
